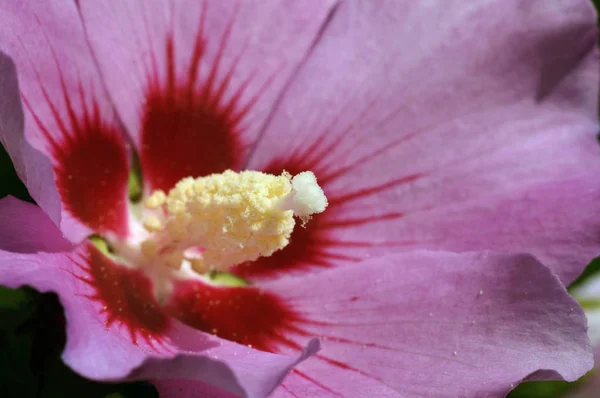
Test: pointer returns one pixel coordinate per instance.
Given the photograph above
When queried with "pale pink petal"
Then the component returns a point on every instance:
(558, 221)
(32, 167)
(431, 324)
(27, 229)
(195, 81)
(67, 117)
(257, 373)
(590, 385)
(406, 109)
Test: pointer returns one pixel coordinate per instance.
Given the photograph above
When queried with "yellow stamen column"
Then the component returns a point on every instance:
(229, 218)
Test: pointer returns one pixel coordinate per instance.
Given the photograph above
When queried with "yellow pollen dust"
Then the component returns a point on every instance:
(225, 219)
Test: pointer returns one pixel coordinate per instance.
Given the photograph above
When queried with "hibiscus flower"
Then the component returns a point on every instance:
(455, 144)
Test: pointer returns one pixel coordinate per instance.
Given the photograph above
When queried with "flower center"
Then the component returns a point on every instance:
(215, 222)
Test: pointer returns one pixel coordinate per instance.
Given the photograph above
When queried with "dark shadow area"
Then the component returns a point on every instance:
(32, 337)
(9, 181)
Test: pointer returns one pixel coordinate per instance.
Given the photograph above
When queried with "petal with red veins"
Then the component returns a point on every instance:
(103, 350)
(123, 297)
(469, 103)
(315, 246)
(433, 324)
(67, 117)
(246, 315)
(116, 330)
(415, 324)
(195, 81)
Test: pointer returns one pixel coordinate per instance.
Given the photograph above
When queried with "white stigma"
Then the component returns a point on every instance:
(306, 198)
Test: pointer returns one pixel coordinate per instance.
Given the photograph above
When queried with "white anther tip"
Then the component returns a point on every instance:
(309, 198)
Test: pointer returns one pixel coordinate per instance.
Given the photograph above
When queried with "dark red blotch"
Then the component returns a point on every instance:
(188, 126)
(246, 315)
(91, 164)
(125, 297)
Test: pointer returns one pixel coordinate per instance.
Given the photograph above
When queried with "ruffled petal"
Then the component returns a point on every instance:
(589, 386)
(588, 294)
(432, 324)
(195, 81)
(408, 111)
(67, 117)
(237, 370)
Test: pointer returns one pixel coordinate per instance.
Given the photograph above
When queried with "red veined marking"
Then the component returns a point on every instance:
(288, 390)
(124, 296)
(189, 127)
(89, 157)
(248, 316)
(245, 315)
(315, 382)
(304, 252)
(345, 366)
(311, 246)
(336, 200)
(313, 156)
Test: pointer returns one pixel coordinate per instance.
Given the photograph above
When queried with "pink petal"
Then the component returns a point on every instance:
(195, 81)
(33, 168)
(558, 221)
(466, 105)
(257, 373)
(67, 117)
(433, 324)
(189, 389)
(115, 328)
(27, 229)
(102, 343)
(590, 385)
(588, 293)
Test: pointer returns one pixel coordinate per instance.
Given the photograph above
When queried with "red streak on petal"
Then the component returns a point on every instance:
(316, 383)
(288, 390)
(252, 317)
(342, 340)
(304, 252)
(190, 126)
(124, 296)
(372, 190)
(359, 221)
(311, 247)
(345, 366)
(91, 165)
(245, 315)
(89, 155)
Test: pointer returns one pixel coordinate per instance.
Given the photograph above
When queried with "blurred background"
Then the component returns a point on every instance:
(32, 337)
